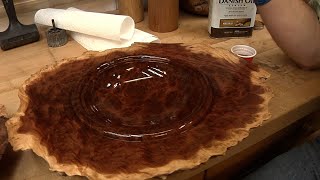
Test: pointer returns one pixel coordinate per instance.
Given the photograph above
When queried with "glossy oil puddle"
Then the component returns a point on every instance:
(139, 98)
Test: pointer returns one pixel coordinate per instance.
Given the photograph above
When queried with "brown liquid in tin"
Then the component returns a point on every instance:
(128, 111)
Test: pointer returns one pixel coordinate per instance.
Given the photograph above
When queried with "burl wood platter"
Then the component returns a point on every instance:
(3, 130)
(139, 112)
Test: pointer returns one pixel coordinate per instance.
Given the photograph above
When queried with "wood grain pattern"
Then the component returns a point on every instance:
(297, 92)
(163, 15)
(132, 8)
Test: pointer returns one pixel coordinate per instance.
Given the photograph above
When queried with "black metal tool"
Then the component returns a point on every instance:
(17, 34)
(56, 37)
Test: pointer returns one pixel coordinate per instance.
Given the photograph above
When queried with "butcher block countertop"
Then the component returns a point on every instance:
(296, 91)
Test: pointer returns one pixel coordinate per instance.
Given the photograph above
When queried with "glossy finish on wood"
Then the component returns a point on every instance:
(133, 121)
(139, 98)
(296, 91)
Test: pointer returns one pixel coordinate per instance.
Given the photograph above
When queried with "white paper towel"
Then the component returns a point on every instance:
(95, 43)
(97, 38)
(114, 27)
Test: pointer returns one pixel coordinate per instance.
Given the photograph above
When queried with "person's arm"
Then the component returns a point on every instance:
(295, 28)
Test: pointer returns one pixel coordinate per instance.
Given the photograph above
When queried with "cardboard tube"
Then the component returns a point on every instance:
(163, 15)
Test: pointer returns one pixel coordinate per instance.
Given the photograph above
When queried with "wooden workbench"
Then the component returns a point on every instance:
(296, 92)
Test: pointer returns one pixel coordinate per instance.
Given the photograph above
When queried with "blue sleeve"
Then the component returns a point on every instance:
(261, 2)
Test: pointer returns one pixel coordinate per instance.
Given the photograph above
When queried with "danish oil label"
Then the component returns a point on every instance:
(231, 18)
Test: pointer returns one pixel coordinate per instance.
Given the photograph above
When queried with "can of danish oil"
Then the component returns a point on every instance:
(231, 18)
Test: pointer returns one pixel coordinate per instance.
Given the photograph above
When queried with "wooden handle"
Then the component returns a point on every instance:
(132, 8)
(163, 15)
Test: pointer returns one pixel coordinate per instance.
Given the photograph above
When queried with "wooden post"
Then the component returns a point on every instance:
(163, 15)
(132, 8)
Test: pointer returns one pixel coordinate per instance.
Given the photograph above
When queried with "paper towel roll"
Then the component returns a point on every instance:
(94, 43)
(114, 27)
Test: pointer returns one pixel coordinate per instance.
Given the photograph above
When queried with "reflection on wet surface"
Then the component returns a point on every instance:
(138, 98)
(121, 114)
